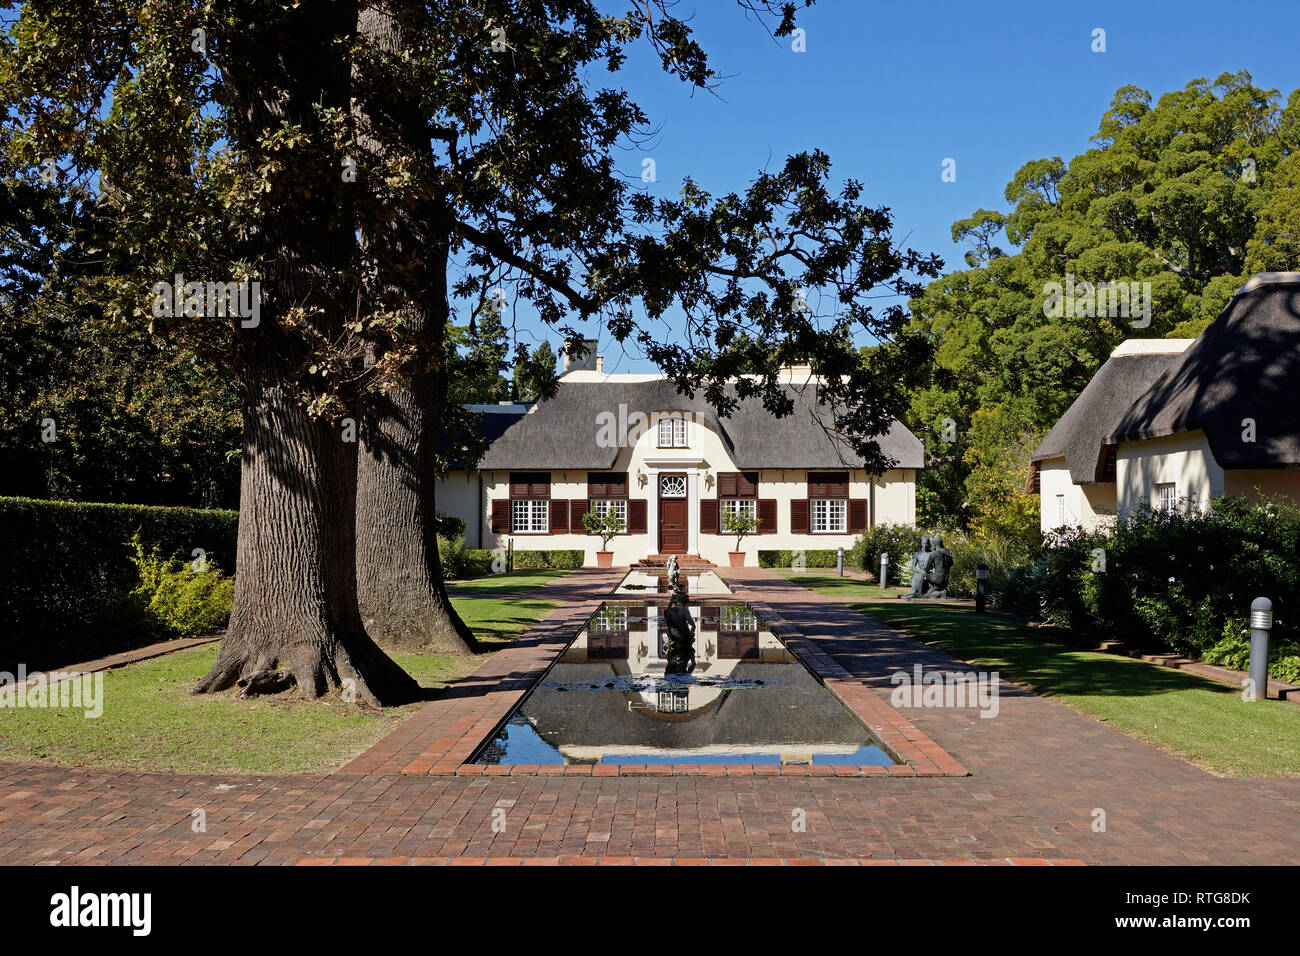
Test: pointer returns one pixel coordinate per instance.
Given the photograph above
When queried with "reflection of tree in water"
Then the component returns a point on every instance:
(494, 751)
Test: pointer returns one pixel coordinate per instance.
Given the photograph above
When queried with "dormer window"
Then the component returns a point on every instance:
(672, 433)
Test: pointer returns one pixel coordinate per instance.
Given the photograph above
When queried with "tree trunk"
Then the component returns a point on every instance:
(295, 603)
(295, 588)
(400, 587)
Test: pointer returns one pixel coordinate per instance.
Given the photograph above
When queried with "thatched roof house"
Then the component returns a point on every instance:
(1170, 422)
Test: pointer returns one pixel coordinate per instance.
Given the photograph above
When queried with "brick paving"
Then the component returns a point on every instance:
(1037, 773)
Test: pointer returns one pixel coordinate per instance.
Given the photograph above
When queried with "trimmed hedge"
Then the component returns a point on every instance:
(558, 558)
(460, 562)
(66, 567)
(819, 558)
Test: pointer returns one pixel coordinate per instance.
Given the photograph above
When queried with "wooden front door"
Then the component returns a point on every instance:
(672, 514)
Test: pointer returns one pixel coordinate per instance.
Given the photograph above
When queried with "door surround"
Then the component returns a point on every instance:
(689, 467)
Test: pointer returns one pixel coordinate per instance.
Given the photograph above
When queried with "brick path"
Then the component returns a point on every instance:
(1037, 772)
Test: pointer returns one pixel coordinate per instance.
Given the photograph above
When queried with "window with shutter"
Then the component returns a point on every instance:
(636, 516)
(709, 516)
(799, 516)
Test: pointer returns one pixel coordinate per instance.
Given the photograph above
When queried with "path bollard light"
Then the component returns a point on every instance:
(839, 561)
(1261, 622)
(884, 569)
(981, 586)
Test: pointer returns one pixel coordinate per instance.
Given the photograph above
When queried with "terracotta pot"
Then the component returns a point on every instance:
(737, 558)
(604, 559)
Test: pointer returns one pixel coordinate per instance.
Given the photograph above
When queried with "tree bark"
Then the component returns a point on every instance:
(295, 603)
(403, 599)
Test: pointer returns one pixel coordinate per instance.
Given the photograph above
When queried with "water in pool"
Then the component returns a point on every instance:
(622, 694)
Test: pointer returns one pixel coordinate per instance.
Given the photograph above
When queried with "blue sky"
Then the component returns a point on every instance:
(890, 90)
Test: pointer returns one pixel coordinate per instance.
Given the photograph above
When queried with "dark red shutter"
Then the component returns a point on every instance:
(857, 515)
(709, 515)
(501, 517)
(638, 618)
(767, 516)
(799, 516)
(595, 485)
(636, 516)
(559, 516)
(617, 484)
(728, 481)
(746, 484)
(577, 508)
(709, 618)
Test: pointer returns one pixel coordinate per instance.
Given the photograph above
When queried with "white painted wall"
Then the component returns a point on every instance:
(1085, 506)
(1184, 459)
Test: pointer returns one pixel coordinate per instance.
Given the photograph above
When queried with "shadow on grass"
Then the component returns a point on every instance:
(1022, 654)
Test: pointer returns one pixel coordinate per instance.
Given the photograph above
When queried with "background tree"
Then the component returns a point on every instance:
(1192, 194)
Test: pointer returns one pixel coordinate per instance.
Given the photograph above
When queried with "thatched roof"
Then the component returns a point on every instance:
(564, 433)
(1245, 365)
(1081, 432)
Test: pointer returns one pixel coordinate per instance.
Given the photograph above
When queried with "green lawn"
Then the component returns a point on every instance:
(1203, 721)
(151, 722)
(524, 580)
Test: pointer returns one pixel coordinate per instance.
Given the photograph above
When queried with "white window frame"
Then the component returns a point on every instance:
(523, 520)
(599, 506)
(672, 433)
(1060, 511)
(829, 516)
(665, 494)
(1166, 496)
(748, 505)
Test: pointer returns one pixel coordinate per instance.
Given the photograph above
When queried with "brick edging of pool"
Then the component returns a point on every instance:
(442, 737)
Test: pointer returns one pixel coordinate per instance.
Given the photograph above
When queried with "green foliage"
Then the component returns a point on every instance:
(739, 523)
(460, 562)
(606, 524)
(1192, 194)
(449, 526)
(553, 558)
(901, 542)
(1182, 579)
(176, 599)
(817, 558)
(65, 571)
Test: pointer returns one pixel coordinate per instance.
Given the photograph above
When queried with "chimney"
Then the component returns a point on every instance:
(580, 355)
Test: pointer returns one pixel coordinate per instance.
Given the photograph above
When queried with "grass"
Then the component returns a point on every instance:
(523, 580)
(1205, 722)
(151, 722)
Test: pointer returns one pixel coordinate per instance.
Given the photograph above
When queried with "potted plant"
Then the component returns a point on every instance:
(739, 523)
(607, 524)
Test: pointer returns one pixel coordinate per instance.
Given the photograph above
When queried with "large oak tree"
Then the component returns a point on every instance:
(372, 165)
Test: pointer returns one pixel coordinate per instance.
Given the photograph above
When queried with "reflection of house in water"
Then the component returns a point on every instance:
(748, 695)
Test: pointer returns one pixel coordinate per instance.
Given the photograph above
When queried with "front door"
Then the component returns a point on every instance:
(672, 514)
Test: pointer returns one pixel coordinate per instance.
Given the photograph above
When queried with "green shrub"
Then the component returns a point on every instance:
(819, 558)
(902, 542)
(66, 568)
(460, 562)
(449, 526)
(558, 558)
(1233, 652)
(1179, 579)
(179, 599)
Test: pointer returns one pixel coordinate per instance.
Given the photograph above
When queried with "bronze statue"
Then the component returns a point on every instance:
(680, 651)
(919, 559)
(937, 571)
(930, 571)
